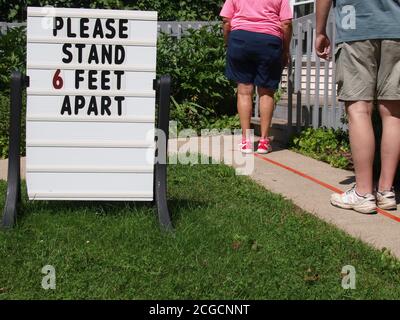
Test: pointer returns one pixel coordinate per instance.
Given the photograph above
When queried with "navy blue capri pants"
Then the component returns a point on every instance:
(254, 58)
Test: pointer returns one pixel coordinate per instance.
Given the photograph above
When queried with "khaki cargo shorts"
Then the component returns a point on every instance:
(368, 70)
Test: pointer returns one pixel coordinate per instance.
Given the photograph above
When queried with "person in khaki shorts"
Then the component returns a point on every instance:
(367, 70)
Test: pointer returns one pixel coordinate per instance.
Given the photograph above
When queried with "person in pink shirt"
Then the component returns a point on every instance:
(258, 35)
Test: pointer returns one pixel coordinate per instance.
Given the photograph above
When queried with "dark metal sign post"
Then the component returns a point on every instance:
(163, 93)
(13, 197)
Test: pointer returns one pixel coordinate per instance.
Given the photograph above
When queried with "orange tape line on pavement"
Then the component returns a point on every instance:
(321, 183)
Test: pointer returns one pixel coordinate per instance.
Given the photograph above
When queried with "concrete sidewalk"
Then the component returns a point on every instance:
(379, 230)
(307, 182)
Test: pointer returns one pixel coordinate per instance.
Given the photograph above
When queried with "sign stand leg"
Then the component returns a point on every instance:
(163, 88)
(13, 198)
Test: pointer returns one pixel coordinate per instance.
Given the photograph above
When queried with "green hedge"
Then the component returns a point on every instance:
(169, 10)
(328, 145)
(203, 96)
(196, 63)
(12, 55)
(4, 125)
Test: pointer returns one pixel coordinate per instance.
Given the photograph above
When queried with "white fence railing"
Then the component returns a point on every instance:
(314, 79)
(177, 29)
(4, 26)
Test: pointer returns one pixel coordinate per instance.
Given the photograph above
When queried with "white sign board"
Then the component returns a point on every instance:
(91, 104)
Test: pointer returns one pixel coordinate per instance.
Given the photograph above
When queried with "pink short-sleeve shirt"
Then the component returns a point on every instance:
(263, 16)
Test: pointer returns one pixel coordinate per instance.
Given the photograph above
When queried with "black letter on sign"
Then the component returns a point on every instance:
(70, 34)
(98, 29)
(93, 55)
(105, 105)
(106, 54)
(110, 27)
(119, 54)
(119, 100)
(80, 46)
(123, 27)
(78, 77)
(68, 53)
(119, 74)
(105, 79)
(66, 106)
(58, 25)
(92, 80)
(79, 103)
(84, 27)
(92, 106)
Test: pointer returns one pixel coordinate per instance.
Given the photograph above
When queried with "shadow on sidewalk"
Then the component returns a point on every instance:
(350, 180)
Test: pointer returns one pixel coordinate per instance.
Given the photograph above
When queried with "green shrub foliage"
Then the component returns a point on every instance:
(196, 63)
(12, 55)
(329, 145)
(4, 125)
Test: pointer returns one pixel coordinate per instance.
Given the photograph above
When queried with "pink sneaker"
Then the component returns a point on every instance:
(246, 146)
(264, 146)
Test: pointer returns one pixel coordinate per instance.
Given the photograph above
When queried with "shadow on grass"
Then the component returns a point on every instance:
(96, 207)
(177, 207)
(181, 207)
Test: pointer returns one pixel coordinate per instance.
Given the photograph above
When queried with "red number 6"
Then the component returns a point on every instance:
(58, 82)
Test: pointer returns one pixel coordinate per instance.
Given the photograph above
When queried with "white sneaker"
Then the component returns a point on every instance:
(386, 200)
(351, 200)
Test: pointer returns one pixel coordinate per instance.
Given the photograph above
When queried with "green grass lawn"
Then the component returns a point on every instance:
(233, 240)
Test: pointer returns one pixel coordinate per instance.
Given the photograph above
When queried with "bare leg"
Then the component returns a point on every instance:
(245, 106)
(390, 147)
(266, 110)
(362, 142)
